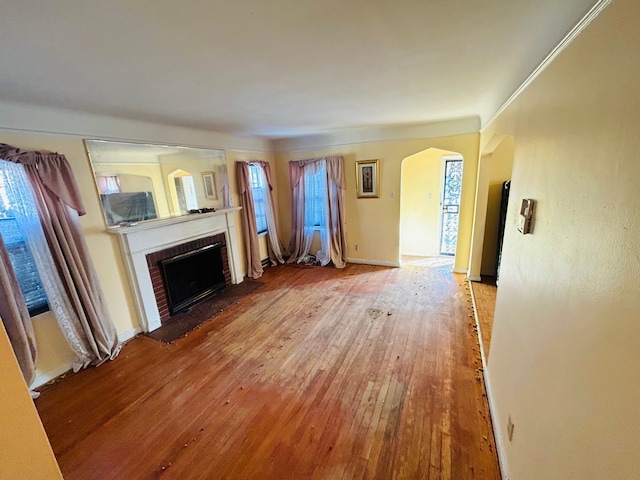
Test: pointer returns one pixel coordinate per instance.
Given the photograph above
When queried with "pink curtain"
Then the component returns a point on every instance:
(59, 205)
(52, 169)
(296, 244)
(336, 236)
(16, 319)
(249, 228)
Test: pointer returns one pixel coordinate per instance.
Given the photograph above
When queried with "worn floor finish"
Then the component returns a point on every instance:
(485, 297)
(365, 372)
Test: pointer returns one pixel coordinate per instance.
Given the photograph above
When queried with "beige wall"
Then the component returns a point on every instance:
(24, 448)
(374, 223)
(565, 343)
(135, 183)
(420, 210)
(54, 354)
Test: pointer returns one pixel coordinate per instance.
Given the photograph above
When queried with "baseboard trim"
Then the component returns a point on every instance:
(474, 278)
(64, 368)
(129, 334)
(460, 270)
(497, 429)
(379, 263)
(51, 375)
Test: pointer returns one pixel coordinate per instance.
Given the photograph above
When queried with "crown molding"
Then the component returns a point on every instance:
(557, 50)
(351, 136)
(30, 119)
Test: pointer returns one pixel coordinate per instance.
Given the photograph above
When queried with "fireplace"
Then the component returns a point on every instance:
(193, 276)
(144, 246)
(186, 273)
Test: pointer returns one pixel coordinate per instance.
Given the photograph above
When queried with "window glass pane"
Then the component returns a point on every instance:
(259, 192)
(19, 254)
(315, 190)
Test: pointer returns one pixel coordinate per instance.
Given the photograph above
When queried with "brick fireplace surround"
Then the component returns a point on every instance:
(154, 259)
(149, 242)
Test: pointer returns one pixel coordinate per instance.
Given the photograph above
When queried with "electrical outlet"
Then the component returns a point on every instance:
(510, 427)
(356, 247)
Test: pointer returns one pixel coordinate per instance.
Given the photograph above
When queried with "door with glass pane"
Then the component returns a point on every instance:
(450, 206)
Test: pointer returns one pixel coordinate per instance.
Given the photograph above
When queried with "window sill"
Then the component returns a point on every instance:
(40, 316)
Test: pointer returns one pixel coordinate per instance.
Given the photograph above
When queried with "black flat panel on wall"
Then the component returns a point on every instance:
(504, 203)
(192, 276)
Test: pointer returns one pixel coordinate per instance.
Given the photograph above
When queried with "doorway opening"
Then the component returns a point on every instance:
(490, 223)
(430, 190)
(451, 192)
(182, 192)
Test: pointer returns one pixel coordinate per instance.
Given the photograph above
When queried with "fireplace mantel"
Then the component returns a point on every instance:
(153, 235)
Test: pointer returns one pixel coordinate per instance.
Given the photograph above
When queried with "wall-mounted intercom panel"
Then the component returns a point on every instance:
(526, 215)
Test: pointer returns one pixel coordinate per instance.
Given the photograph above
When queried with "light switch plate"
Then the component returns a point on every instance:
(526, 215)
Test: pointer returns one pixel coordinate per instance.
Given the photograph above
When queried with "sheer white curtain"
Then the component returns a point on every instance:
(316, 205)
(269, 213)
(26, 215)
(317, 188)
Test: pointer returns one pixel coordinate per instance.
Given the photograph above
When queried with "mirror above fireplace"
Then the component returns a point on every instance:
(139, 182)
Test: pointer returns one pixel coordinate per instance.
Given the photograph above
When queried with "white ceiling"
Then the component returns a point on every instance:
(277, 68)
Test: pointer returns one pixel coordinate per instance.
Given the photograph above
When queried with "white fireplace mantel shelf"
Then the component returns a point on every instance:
(151, 236)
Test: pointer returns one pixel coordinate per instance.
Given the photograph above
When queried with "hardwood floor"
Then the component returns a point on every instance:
(485, 299)
(365, 372)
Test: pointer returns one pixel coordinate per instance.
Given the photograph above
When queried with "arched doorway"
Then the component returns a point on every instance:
(430, 191)
(182, 192)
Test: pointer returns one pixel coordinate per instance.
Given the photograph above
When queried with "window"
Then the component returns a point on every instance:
(315, 202)
(259, 193)
(17, 248)
(109, 184)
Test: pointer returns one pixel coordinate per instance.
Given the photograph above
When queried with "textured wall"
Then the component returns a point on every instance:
(565, 344)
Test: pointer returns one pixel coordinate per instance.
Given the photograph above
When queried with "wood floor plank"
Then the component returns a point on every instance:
(360, 373)
(485, 298)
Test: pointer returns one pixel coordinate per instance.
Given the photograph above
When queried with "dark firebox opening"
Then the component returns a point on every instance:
(192, 276)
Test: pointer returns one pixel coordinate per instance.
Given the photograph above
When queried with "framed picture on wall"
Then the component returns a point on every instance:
(367, 179)
(209, 185)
